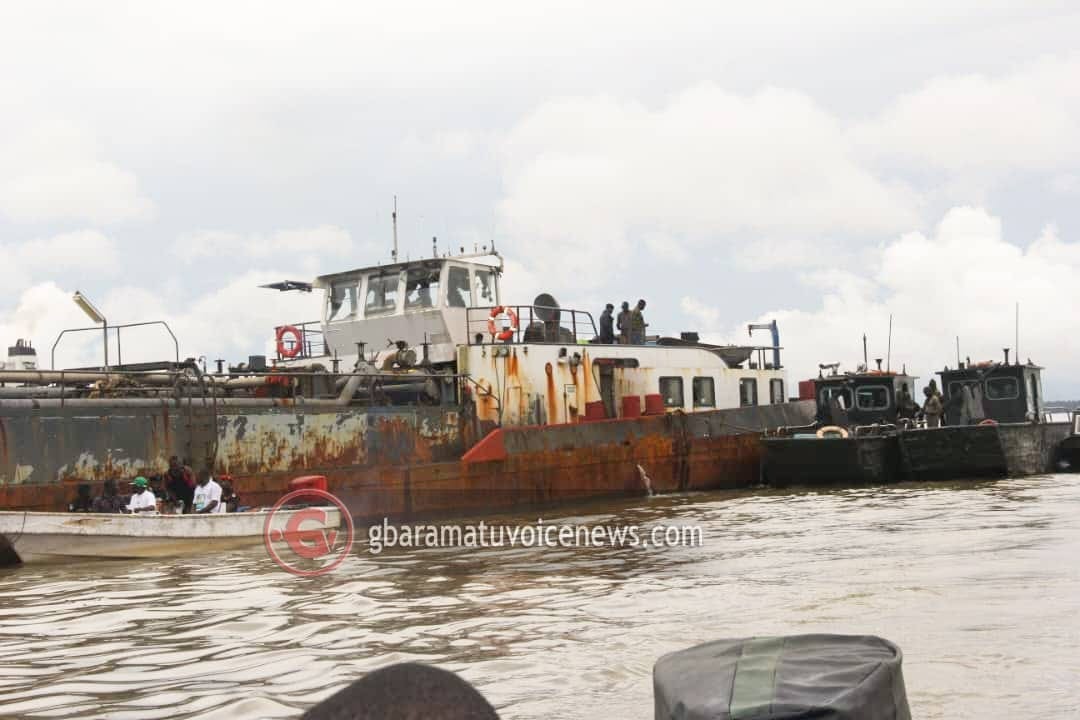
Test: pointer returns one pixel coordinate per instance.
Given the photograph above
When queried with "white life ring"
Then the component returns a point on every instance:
(831, 431)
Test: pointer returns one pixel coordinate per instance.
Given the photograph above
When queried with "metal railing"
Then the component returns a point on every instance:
(312, 340)
(118, 328)
(535, 324)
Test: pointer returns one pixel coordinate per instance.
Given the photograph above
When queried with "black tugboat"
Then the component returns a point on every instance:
(995, 426)
(854, 438)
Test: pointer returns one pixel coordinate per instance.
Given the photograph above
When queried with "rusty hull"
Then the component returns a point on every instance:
(398, 462)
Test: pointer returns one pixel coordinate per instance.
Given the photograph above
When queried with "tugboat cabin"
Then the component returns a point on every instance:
(865, 397)
(1003, 392)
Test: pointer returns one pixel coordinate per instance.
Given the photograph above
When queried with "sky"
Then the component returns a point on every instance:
(827, 165)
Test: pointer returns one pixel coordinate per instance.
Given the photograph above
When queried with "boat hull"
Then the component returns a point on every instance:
(44, 537)
(981, 451)
(829, 461)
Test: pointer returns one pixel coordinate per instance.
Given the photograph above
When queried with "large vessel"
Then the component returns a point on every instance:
(418, 392)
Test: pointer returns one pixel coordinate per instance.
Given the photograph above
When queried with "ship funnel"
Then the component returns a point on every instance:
(546, 308)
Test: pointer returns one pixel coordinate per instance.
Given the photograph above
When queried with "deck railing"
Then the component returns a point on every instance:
(535, 324)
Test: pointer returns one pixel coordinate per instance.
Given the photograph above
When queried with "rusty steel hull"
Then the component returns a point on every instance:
(400, 462)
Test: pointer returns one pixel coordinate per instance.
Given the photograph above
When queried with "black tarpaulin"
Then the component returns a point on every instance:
(825, 677)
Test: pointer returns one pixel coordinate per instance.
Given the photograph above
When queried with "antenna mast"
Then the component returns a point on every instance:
(865, 358)
(888, 351)
(1016, 345)
(394, 216)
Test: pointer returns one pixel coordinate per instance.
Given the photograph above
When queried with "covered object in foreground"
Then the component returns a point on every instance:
(825, 677)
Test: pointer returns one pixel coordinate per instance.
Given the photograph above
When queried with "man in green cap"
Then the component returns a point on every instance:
(142, 499)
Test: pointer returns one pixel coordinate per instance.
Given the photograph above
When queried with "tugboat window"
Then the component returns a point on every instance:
(458, 293)
(704, 392)
(842, 395)
(671, 389)
(872, 397)
(381, 294)
(1002, 388)
(747, 392)
(776, 391)
(342, 300)
(485, 287)
(421, 288)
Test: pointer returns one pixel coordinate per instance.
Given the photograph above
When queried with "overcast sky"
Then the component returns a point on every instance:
(824, 164)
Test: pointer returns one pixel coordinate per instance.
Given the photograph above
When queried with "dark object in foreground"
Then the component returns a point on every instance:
(825, 677)
(407, 691)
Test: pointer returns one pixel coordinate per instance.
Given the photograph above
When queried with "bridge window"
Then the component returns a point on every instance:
(1002, 388)
(485, 287)
(704, 392)
(872, 397)
(342, 301)
(421, 288)
(458, 293)
(841, 394)
(747, 392)
(776, 391)
(381, 294)
(671, 390)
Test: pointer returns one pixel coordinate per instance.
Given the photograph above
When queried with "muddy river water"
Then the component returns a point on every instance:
(979, 584)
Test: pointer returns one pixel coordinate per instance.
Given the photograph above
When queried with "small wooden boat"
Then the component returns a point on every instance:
(35, 537)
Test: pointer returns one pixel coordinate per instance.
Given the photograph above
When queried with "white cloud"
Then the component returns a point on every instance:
(83, 251)
(585, 177)
(963, 280)
(1028, 119)
(302, 245)
(55, 172)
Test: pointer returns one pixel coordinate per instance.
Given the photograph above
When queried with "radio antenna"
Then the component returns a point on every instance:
(1016, 344)
(394, 216)
(888, 351)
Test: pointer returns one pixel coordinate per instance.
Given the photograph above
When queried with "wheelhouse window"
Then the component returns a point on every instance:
(841, 394)
(776, 391)
(672, 391)
(485, 287)
(421, 288)
(747, 392)
(458, 291)
(872, 397)
(342, 303)
(381, 294)
(704, 392)
(1002, 388)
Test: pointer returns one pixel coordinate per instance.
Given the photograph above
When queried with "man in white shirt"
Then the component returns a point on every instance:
(207, 494)
(142, 498)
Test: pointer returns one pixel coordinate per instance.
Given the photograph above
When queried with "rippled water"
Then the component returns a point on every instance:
(979, 584)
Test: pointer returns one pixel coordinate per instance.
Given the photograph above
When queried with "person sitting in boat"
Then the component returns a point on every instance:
(180, 483)
(82, 502)
(207, 495)
(110, 501)
(229, 497)
(142, 499)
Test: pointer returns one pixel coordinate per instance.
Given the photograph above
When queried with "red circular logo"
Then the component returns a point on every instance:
(304, 540)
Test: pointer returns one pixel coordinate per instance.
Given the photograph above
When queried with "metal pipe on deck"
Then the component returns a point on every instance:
(50, 377)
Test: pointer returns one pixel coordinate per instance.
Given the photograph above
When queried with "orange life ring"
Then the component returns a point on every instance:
(506, 333)
(285, 351)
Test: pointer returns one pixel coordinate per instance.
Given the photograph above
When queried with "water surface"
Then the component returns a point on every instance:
(979, 584)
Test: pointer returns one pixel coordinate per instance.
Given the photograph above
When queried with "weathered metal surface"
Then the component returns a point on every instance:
(829, 461)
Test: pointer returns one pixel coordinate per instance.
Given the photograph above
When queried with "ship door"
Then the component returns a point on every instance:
(607, 389)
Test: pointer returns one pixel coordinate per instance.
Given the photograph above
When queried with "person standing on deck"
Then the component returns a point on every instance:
(637, 324)
(905, 404)
(623, 324)
(932, 409)
(207, 495)
(607, 331)
(142, 500)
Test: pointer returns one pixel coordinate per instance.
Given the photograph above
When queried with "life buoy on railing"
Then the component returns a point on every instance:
(506, 333)
(284, 350)
(832, 431)
(988, 421)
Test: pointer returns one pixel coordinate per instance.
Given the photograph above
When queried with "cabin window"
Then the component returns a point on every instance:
(776, 391)
(747, 392)
(671, 390)
(1002, 388)
(342, 304)
(841, 394)
(872, 397)
(704, 392)
(458, 292)
(485, 287)
(381, 294)
(421, 288)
